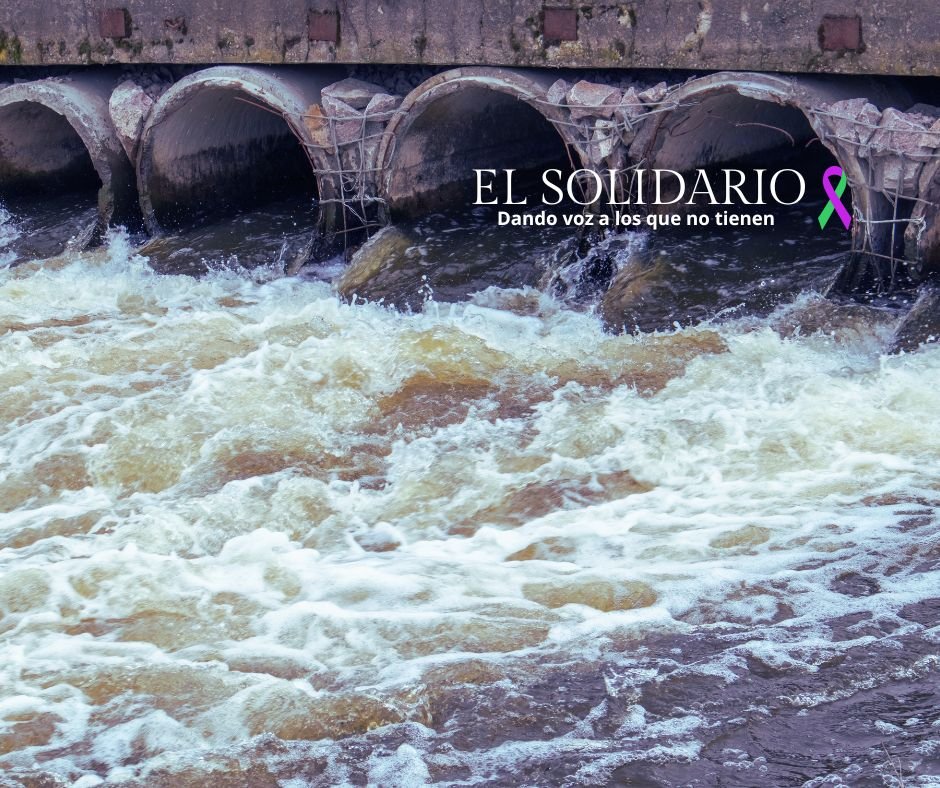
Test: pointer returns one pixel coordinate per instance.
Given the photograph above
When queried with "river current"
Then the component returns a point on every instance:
(254, 534)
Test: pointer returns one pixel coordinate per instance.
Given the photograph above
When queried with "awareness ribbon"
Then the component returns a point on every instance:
(834, 204)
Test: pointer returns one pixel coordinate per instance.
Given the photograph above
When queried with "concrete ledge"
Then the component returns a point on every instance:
(822, 36)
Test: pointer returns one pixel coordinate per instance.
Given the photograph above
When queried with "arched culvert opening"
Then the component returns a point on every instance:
(469, 119)
(64, 176)
(228, 141)
(441, 243)
(733, 253)
(749, 122)
(40, 153)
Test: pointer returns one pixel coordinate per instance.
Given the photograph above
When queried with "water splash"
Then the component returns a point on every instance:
(251, 530)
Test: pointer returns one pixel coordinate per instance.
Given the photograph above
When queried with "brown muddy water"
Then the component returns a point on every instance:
(254, 534)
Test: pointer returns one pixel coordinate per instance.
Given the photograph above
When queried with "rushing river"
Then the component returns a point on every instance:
(253, 534)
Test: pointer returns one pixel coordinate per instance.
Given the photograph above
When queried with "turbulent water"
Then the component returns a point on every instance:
(254, 535)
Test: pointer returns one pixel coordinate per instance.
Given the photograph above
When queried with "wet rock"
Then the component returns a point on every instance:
(635, 282)
(855, 585)
(129, 107)
(841, 321)
(748, 536)
(588, 99)
(354, 93)
(553, 548)
(582, 266)
(922, 324)
(382, 251)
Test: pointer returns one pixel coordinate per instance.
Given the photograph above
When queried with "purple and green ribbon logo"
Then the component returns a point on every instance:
(834, 195)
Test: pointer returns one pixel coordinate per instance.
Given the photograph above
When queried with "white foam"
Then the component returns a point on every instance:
(769, 471)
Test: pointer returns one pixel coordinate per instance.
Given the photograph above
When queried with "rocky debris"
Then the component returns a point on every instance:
(853, 120)
(614, 111)
(628, 112)
(356, 93)
(557, 91)
(352, 125)
(129, 107)
(338, 109)
(382, 104)
(604, 140)
(347, 122)
(922, 324)
(631, 105)
(590, 100)
(353, 129)
(896, 143)
(654, 94)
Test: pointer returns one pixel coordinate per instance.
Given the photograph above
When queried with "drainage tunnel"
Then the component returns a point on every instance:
(64, 176)
(41, 154)
(729, 123)
(765, 121)
(723, 256)
(227, 140)
(471, 119)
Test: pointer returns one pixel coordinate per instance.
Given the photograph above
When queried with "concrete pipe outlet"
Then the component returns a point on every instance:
(467, 119)
(751, 120)
(63, 171)
(229, 139)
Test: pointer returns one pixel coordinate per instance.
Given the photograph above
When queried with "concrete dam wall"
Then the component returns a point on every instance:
(163, 117)
(168, 154)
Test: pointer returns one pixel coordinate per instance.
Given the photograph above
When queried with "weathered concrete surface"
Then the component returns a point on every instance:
(57, 134)
(922, 237)
(846, 36)
(130, 106)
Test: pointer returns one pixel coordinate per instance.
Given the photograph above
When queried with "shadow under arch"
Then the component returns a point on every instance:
(765, 119)
(57, 141)
(228, 139)
(468, 118)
